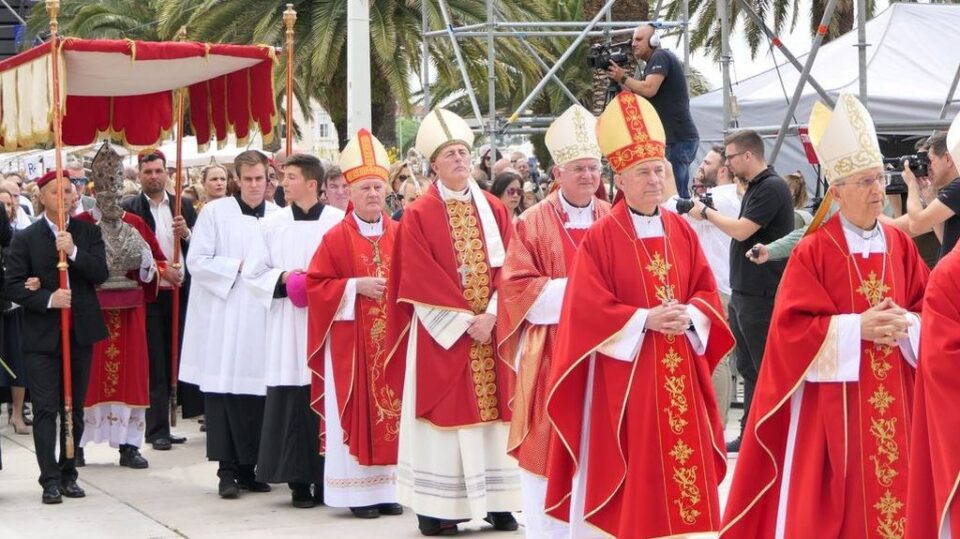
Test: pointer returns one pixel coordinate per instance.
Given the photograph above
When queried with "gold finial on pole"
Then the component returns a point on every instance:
(53, 11)
(182, 34)
(289, 18)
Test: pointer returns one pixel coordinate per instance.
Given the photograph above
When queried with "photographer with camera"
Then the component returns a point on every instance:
(714, 186)
(766, 213)
(941, 213)
(664, 83)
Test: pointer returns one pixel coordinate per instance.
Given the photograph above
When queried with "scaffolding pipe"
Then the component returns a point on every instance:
(529, 33)
(686, 37)
(784, 50)
(724, 17)
(862, 48)
(543, 65)
(463, 67)
(883, 128)
(491, 86)
(425, 59)
(563, 58)
(804, 75)
(950, 94)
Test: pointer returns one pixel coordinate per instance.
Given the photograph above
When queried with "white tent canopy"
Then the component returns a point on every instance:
(913, 55)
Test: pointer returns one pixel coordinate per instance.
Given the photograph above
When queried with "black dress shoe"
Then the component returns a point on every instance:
(51, 495)
(177, 439)
(253, 485)
(131, 458)
(228, 489)
(71, 489)
(431, 526)
(318, 493)
(733, 447)
(369, 511)
(390, 509)
(503, 522)
(161, 444)
(301, 497)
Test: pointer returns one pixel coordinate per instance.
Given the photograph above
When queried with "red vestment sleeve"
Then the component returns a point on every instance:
(934, 458)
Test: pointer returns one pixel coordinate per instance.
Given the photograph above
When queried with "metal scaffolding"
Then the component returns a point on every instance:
(518, 123)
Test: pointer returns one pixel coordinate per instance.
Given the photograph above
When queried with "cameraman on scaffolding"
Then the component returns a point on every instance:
(664, 83)
(942, 214)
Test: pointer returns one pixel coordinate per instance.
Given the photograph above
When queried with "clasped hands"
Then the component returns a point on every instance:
(671, 318)
(884, 324)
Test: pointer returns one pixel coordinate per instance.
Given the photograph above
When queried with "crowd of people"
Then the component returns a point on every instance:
(452, 335)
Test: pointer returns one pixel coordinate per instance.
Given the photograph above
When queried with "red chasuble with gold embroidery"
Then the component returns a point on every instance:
(540, 250)
(935, 454)
(440, 260)
(653, 431)
(368, 400)
(847, 469)
(119, 368)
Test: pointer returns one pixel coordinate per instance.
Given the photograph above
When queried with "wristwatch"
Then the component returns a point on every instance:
(623, 79)
(703, 212)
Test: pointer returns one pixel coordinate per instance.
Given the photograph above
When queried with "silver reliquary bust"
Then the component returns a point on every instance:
(124, 245)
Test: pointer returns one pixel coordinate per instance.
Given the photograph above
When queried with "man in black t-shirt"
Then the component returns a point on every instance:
(664, 84)
(766, 214)
(942, 214)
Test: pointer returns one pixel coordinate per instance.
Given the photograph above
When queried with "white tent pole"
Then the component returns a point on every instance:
(358, 66)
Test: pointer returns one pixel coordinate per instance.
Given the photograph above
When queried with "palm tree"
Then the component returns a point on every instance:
(115, 19)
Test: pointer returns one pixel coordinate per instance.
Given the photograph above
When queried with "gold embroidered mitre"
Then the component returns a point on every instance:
(630, 132)
(953, 142)
(573, 136)
(844, 138)
(364, 158)
(440, 129)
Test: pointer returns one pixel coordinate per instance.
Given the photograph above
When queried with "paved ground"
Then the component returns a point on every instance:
(177, 497)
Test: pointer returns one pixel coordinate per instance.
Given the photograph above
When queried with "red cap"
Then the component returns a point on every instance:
(147, 153)
(47, 178)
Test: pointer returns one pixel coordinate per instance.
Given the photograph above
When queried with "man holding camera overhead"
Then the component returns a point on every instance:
(664, 83)
(942, 215)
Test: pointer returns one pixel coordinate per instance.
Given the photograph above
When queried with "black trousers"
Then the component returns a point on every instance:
(234, 424)
(46, 388)
(749, 322)
(159, 336)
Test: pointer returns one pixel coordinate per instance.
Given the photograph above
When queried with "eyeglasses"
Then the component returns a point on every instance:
(867, 183)
(730, 156)
(580, 169)
(513, 191)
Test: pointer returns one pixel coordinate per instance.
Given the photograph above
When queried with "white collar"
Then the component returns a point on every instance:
(368, 230)
(450, 194)
(52, 225)
(863, 242)
(647, 226)
(578, 218)
(164, 200)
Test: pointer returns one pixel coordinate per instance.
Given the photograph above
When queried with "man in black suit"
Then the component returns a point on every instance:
(34, 253)
(155, 206)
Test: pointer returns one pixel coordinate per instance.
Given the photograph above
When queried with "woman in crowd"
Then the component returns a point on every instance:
(15, 377)
(507, 188)
(798, 188)
(213, 179)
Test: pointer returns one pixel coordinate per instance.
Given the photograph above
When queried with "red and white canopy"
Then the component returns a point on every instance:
(124, 89)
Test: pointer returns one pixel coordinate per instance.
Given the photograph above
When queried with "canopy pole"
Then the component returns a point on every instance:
(289, 18)
(175, 263)
(53, 10)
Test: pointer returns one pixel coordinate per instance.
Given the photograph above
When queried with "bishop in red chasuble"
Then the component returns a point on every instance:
(640, 441)
(825, 451)
(442, 291)
(932, 508)
(531, 291)
(359, 405)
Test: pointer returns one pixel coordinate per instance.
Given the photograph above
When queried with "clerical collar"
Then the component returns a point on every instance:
(368, 229)
(310, 215)
(245, 209)
(449, 194)
(859, 232)
(576, 216)
(656, 212)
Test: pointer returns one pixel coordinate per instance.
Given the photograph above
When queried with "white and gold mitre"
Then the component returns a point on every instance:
(440, 129)
(844, 138)
(953, 142)
(572, 136)
(364, 158)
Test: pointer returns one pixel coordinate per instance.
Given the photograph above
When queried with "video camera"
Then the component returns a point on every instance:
(684, 205)
(919, 165)
(602, 54)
